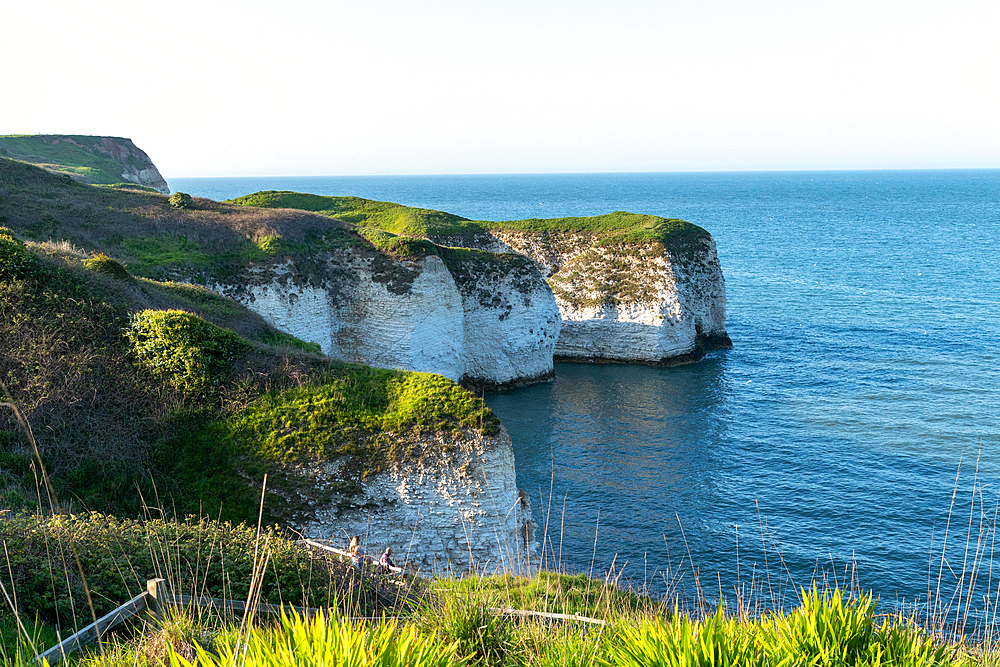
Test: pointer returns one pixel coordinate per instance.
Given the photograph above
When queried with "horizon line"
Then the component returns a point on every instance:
(608, 173)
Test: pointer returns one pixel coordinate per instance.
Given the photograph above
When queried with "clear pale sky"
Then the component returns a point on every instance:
(302, 87)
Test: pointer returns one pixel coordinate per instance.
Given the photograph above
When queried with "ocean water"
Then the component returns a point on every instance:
(855, 423)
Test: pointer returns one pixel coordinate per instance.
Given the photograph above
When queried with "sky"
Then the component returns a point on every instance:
(373, 87)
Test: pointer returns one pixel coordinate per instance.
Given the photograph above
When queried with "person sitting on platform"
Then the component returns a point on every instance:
(385, 563)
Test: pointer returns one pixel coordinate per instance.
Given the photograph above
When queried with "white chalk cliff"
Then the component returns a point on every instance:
(482, 320)
(457, 509)
(637, 302)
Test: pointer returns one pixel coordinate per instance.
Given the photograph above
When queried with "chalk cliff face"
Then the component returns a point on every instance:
(136, 167)
(634, 302)
(483, 320)
(455, 510)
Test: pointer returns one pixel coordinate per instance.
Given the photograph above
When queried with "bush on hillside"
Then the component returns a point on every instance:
(109, 267)
(181, 200)
(189, 351)
(15, 261)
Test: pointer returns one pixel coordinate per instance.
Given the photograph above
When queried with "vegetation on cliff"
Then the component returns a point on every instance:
(611, 254)
(612, 229)
(141, 388)
(393, 218)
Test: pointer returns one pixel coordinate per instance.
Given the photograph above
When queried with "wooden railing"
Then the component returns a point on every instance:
(95, 630)
(156, 599)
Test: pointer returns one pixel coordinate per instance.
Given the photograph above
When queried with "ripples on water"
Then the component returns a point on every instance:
(863, 310)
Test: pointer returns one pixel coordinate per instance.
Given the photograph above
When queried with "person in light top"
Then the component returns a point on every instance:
(358, 554)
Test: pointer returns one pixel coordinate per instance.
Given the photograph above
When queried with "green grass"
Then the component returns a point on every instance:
(448, 622)
(826, 628)
(325, 642)
(613, 229)
(281, 339)
(325, 419)
(142, 231)
(830, 630)
(149, 256)
(554, 592)
(393, 218)
(49, 558)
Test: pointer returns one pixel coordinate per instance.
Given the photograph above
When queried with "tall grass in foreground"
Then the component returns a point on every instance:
(827, 629)
(324, 641)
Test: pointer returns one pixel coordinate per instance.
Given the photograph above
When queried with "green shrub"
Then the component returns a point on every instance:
(189, 351)
(181, 200)
(101, 263)
(828, 628)
(835, 628)
(16, 261)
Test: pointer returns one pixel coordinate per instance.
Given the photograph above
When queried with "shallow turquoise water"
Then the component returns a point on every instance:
(863, 311)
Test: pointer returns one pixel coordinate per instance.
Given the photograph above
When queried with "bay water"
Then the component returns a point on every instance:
(854, 425)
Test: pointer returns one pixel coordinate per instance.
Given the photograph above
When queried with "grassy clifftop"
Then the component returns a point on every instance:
(389, 217)
(151, 237)
(141, 388)
(611, 229)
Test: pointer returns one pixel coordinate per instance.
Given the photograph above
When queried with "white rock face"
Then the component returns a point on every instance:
(666, 309)
(476, 322)
(459, 510)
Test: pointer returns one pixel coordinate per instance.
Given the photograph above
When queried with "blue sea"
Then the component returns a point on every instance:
(852, 434)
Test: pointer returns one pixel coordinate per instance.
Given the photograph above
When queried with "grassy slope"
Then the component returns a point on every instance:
(64, 156)
(156, 240)
(612, 229)
(112, 418)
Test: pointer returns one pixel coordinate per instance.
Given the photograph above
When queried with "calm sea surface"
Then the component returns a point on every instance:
(863, 307)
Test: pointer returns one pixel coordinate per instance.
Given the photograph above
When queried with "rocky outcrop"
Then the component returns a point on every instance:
(136, 167)
(486, 320)
(629, 301)
(454, 511)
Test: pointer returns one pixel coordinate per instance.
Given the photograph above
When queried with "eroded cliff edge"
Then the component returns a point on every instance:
(148, 387)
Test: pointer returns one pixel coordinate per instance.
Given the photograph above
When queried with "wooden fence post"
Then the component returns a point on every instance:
(157, 601)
